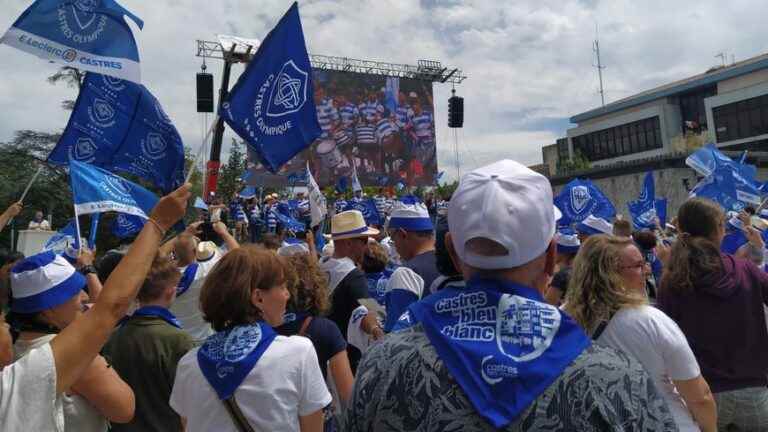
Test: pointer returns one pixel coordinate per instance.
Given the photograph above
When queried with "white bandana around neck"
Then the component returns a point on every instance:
(501, 342)
(337, 269)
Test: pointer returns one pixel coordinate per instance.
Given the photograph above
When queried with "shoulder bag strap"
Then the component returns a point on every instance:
(237, 415)
(305, 326)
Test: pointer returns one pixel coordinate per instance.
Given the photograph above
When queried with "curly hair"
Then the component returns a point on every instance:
(596, 290)
(307, 283)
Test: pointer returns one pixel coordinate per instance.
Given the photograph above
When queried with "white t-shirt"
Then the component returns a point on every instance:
(42, 225)
(28, 394)
(658, 343)
(79, 414)
(285, 384)
(186, 307)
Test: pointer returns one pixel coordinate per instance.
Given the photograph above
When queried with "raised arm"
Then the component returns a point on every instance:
(77, 345)
(222, 230)
(9, 214)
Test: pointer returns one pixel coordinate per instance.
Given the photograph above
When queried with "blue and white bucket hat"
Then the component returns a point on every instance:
(410, 216)
(567, 241)
(43, 281)
(593, 225)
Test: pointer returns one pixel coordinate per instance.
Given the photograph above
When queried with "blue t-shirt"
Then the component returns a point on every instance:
(324, 334)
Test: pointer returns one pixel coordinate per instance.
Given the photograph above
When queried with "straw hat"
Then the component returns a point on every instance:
(350, 224)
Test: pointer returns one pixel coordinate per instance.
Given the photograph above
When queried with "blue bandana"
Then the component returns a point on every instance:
(158, 312)
(377, 284)
(290, 317)
(186, 279)
(227, 357)
(501, 342)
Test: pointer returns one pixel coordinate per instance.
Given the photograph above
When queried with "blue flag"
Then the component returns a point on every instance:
(661, 211)
(283, 213)
(368, 208)
(581, 198)
(247, 192)
(91, 35)
(272, 106)
(726, 188)
(643, 210)
(65, 237)
(126, 225)
(95, 218)
(342, 184)
(706, 159)
(95, 190)
(119, 125)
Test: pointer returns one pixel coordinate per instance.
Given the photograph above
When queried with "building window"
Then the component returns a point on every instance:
(692, 111)
(635, 137)
(742, 119)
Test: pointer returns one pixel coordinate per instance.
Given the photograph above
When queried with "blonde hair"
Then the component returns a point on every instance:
(596, 290)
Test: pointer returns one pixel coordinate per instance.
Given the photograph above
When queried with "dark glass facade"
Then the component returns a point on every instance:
(639, 136)
(743, 119)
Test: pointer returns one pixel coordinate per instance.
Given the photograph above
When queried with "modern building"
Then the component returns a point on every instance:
(656, 129)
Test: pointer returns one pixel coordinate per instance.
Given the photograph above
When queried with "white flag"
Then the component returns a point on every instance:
(317, 205)
(356, 186)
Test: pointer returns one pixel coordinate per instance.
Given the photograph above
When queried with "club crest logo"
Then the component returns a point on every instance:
(123, 222)
(647, 217)
(289, 91)
(117, 187)
(154, 146)
(102, 114)
(84, 150)
(69, 55)
(580, 198)
(241, 341)
(115, 84)
(79, 22)
(525, 328)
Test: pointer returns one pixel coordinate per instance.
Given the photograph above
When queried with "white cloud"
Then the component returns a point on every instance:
(529, 62)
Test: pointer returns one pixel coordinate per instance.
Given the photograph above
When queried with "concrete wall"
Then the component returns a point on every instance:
(549, 157)
(669, 184)
(743, 81)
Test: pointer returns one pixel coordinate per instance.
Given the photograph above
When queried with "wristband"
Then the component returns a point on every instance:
(88, 269)
(157, 225)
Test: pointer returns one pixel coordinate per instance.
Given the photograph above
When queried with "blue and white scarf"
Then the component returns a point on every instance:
(227, 357)
(501, 342)
(186, 279)
(157, 312)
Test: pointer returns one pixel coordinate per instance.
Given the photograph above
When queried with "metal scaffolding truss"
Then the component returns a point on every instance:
(426, 70)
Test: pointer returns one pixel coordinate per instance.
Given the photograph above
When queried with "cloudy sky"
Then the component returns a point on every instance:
(529, 62)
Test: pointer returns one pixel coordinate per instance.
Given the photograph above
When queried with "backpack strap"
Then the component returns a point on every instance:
(305, 326)
(237, 415)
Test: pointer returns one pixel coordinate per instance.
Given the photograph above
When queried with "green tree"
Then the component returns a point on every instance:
(578, 163)
(229, 177)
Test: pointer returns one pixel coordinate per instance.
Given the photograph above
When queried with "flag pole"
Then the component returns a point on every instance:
(200, 152)
(31, 182)
(77, 230)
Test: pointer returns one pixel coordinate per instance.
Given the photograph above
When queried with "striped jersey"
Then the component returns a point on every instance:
(271, 219)
(349, 115)
(366, 135)
(384, 128)
(369, 110)
(381, 204)
(424, 126)
(404, 115)
(327, 115)
(340, 205)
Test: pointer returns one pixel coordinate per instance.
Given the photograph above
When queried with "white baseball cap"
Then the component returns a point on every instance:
(508, 203)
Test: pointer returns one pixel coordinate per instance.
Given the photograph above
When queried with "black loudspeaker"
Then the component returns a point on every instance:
(455, 112)
(204, 92)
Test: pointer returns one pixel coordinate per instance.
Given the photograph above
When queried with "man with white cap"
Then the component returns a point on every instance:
(346, 282)
(413, 234)
(493, 355)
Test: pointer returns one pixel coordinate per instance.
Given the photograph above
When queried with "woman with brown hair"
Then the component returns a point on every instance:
(308, 286)
(246, 376)
(606, 296)
(717, 300)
